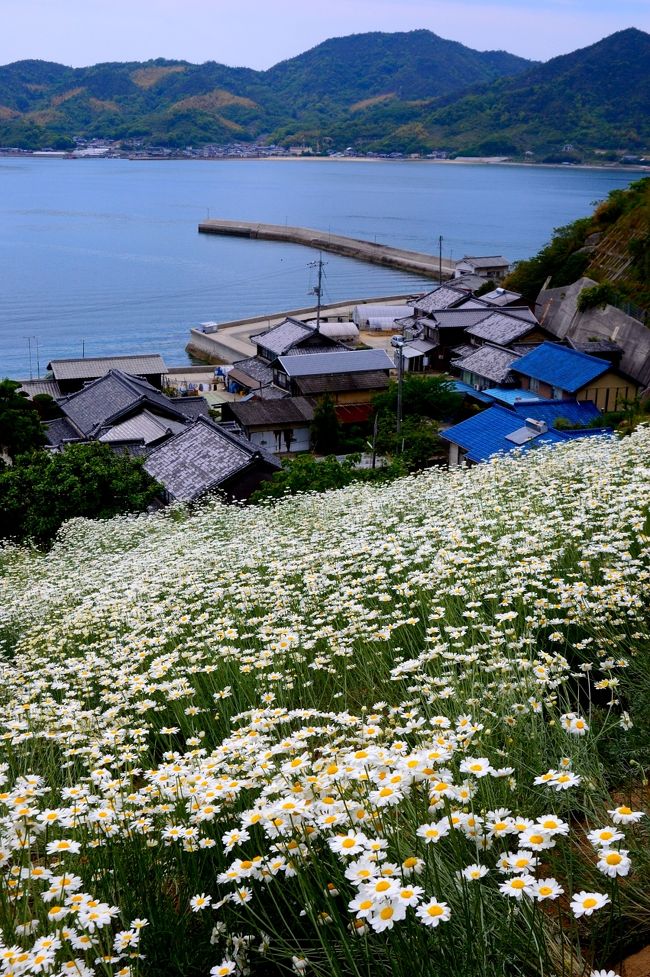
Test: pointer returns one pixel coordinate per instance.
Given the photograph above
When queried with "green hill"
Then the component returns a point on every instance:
(176, 102)
(410, 92)
(596, 99)
(612, 247)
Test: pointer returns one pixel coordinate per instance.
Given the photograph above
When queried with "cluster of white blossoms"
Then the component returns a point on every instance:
(368, 713)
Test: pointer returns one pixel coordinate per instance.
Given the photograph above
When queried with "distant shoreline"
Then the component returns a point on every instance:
(464, 161)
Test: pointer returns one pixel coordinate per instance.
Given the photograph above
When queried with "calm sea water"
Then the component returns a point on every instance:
(103, 256)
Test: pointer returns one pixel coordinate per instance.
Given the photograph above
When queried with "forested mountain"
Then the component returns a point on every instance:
(178, 103)
(411, 92)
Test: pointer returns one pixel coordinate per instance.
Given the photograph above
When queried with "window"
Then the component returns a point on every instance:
(533, 385)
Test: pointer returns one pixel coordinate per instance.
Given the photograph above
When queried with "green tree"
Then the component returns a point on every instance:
(43, 489)
(20, 426)
(306, 474)
(325, 427)
(414, 447)
(422, 396)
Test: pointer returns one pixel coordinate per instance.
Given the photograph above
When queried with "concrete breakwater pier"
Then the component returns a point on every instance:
(427, 265)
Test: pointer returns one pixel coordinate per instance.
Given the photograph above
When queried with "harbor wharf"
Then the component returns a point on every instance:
(427, 265)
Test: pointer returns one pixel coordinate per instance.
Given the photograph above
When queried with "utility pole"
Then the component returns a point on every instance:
(318, 289)
(400, 377)
(29, 347)
(38, 360)
(440, 258)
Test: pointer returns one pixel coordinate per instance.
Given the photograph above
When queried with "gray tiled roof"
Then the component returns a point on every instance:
(490, 362)
(108, 398)
(501, 296)
(191, 407)
(500, 329)
(96, 366)
(201, 458)
(461, 318)
(144, 426)
(60, 430)
(310, 386)
(34, 387)
(282, 337)
(349, 361)
(442, 297)
(255, 368)
(290, 410)
(486, 260)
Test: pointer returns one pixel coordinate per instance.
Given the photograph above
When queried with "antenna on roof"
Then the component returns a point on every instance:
(317, 290)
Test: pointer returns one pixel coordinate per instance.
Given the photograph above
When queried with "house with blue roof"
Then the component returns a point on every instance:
(558, 372)
(525, 425)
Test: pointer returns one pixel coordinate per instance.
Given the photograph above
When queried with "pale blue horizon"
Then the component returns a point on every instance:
(258, 34)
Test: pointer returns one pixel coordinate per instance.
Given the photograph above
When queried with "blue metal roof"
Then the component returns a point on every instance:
(510, 396)
(486, 434)
(573, 411)
(468, 390)
(560, 366)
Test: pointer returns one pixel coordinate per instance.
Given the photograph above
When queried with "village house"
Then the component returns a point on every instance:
(71, 375)
(485, 366)
(352, 377)
(255, 373)
(522, 426)
(110, 401)
(205, 457)
(505, 328)
(555, 372)
(281, 426)
(485, 266)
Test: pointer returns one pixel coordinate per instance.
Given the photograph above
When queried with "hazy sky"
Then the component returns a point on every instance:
(258, 33)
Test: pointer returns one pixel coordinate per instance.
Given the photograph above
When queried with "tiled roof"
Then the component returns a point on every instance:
(559, 366)
(201, 458)
(485, 260)
(282, 337)
(108, 398)
(97, 366)
(349, 361)
(144, 426)
(328, 383)
(191, 407)
(461, 318)
(290, 410)
(490, 362)
(60, 430)
(501, 329)
(441, 297)
(255, 369)
(34, 387)
(501, 296)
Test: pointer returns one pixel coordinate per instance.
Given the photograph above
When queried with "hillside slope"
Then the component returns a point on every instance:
(596, 98)
(612, 247)
(338, 735)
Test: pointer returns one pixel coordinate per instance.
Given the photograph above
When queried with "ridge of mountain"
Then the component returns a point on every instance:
(408, 92)
(44, 103)
(594, 99)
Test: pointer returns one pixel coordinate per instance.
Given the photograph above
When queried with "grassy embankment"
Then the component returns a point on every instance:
(370, 732)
